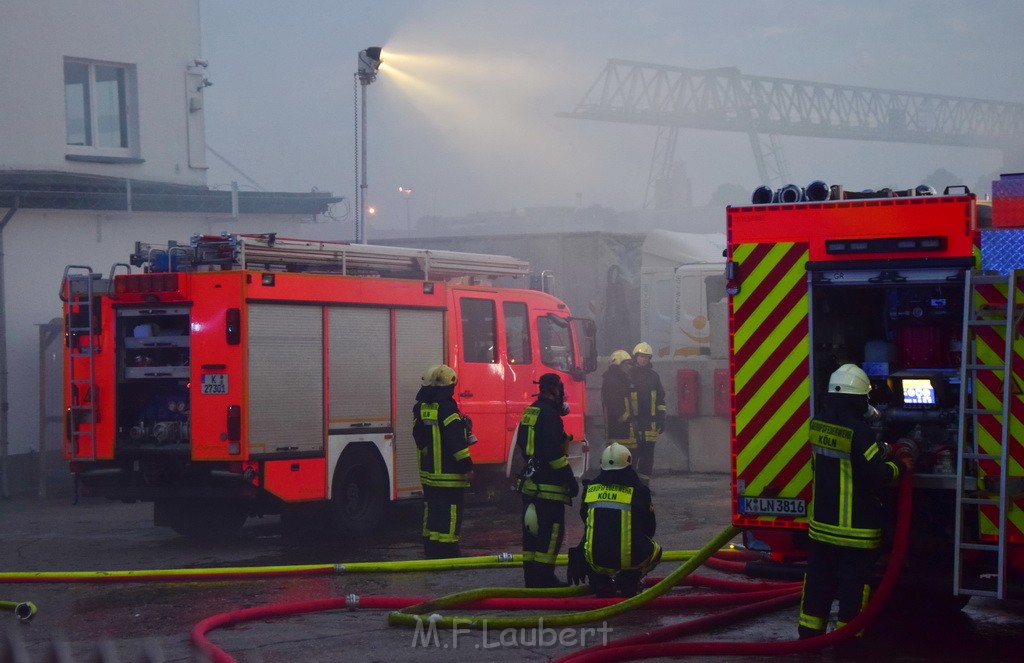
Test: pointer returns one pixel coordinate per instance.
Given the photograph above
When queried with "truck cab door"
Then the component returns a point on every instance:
(480, 390)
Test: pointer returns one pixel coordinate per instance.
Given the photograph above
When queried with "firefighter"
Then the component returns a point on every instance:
(546, 483)
(846, 513)
(647, 408)
(443, 436)
(615, 388)
(618, 548)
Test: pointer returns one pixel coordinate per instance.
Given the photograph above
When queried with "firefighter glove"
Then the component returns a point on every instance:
(577, 570)
(573, 486)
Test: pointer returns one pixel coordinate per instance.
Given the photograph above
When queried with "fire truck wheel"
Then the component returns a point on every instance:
(359, 493)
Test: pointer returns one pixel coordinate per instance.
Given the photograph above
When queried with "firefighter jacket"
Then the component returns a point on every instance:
(615, 388)
(647, 403)
(618, 521)
(850, 471)
(541, 440)
(440, 433)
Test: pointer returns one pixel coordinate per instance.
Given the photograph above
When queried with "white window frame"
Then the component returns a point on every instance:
(129, 108)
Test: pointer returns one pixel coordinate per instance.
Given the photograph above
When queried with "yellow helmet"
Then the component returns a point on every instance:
(849, 379)
(440, 375)
(616, 457)
(620, 356)
(643, 349)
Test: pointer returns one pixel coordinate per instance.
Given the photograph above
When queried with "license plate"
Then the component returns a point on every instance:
(215, 383)
(773, 506)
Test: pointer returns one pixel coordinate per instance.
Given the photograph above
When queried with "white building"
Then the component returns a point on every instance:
(101, 144)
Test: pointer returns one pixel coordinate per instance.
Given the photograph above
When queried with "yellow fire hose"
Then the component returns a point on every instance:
(245, 572)
(23, 610)
(416, 614)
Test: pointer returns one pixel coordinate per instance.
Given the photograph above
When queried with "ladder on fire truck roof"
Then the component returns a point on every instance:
(987, 493)
(273, 253)
(79, 289)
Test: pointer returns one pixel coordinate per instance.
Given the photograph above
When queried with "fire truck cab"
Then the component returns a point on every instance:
(239, 374)
(897, 285)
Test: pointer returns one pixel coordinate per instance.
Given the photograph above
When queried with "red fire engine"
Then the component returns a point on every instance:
(237, 374)
(895, 285)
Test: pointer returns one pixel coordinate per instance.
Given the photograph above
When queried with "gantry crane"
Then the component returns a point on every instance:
(671, 98)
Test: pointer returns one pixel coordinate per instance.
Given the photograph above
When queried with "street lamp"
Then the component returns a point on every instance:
(407, 194)
(368, 63)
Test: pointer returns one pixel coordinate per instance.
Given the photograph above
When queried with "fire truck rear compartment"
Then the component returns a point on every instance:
(907, 336)
(911, 352)
(153, 407)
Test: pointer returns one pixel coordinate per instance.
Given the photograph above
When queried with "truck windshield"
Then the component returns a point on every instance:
(555, 336)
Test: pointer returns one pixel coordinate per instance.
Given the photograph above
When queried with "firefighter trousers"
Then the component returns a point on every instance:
(834, 572)
(442, 521)
(644, 461)
(541, 547)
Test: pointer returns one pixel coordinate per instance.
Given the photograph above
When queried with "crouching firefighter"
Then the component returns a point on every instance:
(846, 512)
(546, 483)
(443, 437)
(618, 548)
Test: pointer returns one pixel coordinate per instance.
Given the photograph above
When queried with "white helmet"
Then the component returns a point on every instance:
(643, 348)
(849, 379)
(440, 375)
(620, 356)
(616, 457)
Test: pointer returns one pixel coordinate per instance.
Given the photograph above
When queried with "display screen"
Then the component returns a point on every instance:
(918, 391)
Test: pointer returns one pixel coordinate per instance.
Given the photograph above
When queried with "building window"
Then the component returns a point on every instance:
(98, 106)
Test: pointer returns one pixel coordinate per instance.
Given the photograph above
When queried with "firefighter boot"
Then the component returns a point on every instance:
(433, 549)
(602, 585)
(627, 583)
(447, 550)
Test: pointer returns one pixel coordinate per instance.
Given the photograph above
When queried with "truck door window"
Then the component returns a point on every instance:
(479, 335)
(555, 342)
(517, 333)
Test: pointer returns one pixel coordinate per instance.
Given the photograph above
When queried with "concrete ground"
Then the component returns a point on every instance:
(151, 621)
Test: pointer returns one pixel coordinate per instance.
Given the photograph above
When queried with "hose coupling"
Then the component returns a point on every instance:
(352, 601)
(505, 557)
(25, 611)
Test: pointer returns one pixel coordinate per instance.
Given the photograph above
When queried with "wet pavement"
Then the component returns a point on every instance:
(136, 618)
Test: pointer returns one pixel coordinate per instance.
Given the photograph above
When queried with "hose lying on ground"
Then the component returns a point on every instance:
(23, 610)
(652, 645)
(413, 615)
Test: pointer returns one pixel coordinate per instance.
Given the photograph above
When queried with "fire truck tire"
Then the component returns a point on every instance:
(359, 493)
(206, 521)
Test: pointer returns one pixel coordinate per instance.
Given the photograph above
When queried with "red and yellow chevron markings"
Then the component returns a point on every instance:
(771, 372)
(990, 342)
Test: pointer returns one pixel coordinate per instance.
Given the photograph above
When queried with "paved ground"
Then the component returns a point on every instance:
(53, 535)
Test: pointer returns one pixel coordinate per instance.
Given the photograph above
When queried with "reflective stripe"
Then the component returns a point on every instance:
(559, 463)
(830, 437)
(529, 420)
(850, 537)
(452, 417)
(545, 491)
(871, 451)
(622, 495)
(444, 480)
(551, 555)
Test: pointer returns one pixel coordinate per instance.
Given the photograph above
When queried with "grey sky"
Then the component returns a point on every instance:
(471, 126)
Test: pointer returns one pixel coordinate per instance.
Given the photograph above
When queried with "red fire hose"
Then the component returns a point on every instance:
(652, 645)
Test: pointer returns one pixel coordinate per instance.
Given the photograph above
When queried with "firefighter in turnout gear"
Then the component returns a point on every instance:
(443, 437)
(846, 512)
(546, 483)
(618, 548)
(647, 408)
(615, 388)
